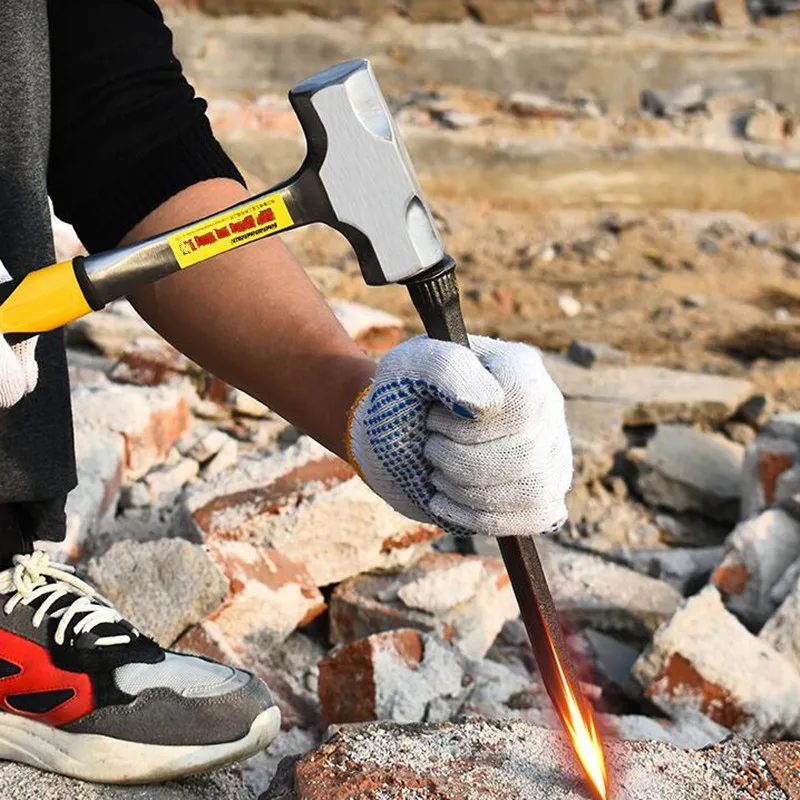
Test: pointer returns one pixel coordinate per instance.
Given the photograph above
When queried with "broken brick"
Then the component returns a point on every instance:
(704, 660)
(391, 675)
(465, 599)
(765, 460)
(149, 362)
(760, 550)
(374, 331)
(309, 504)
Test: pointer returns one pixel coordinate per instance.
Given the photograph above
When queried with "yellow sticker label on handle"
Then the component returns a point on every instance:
(230, 230)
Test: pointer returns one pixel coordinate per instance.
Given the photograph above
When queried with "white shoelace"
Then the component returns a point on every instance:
(35, 576)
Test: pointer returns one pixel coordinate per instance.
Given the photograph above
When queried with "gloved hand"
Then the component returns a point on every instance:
(475, 441)
(19, 371)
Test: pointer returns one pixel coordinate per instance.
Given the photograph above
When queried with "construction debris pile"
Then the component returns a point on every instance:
(219, 529)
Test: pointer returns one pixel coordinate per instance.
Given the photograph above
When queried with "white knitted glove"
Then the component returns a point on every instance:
(473, 440)
(19, 371)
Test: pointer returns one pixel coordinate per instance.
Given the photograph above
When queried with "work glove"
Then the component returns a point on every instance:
(19, 371)
(475, 441)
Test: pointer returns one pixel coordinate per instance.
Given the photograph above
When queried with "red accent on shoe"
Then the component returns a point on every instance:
(39, 674)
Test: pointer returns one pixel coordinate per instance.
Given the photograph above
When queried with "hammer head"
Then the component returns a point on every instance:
(357, 176)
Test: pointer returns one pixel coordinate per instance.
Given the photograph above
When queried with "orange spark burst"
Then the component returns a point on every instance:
(576, 716)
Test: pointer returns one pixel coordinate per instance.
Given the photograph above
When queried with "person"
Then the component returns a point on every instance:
(96, 113)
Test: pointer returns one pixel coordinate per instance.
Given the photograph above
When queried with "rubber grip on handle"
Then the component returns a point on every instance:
(435, 296)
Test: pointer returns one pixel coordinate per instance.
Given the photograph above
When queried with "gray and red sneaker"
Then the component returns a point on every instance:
(84, 694)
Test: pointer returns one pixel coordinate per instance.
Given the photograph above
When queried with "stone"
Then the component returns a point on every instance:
(759, 238)
(755, 411)
(374, 331)
(687, 470)
(651, 394)
(100, 459)
(784, 426)
(284, 501)
(690, 530)
(782, 629)
(110, 330)
(740, 432)
(168, 479)
(653, 103)
(766, 126)
(611, 659)
(792, 252)
(392, 675)
(225, 458)
(469, 619)
(587, 354)
(162, 587)
(688, 100)
(760, 550)
(270, 596)
(703, 659)
(596, 434)
(204, 445)
(248, 406)
(539, 106)
(685, 568)
(787, 491)
(765, 460)
(259, 770)
(150, 420)
(569, 306)
(505, 759)
(149, 362)
(783, 588)
(733, 13)
(87, 369)
(455, 120)
(596, 593)
(18, 782)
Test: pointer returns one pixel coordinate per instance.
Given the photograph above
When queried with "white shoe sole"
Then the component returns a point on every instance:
(101, 759)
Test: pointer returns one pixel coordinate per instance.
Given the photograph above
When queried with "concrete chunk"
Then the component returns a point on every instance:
(686, 470)
(782, 630)
(163, 587)
(760, 550)
(651, 394)
(514, 760)
(595, 431)
(685, 568)
(704, 660)
(309, 504)
(466, 599)
(765, 461)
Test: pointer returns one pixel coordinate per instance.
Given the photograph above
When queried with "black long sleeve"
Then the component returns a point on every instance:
(128, 131)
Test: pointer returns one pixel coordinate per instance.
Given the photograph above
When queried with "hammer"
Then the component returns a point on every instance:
(358, 179)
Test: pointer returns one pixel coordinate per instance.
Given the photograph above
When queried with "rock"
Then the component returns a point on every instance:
(148, 361)
(283, 501)
(202, 444)
(87, 369)
(755, 411)
(704, 660)
(759, 238)
(687, 568)
(392, 675)
(247, 406)
(270, 597)
(150, 420)
(595, 593)
(162, 587)
(792, 252)
(500, 760)
(765, 460)
(651, 394)
(688, 100)
(694, 301)
(787, 491)
(686, 734)
(687, 470)
(259, 770)
(653, 103)
(783, 588)
(455, 120)
(374, 331)
(23, 783)
(168, 479)
(784, 426)
(224, 459)
(596, 434)
(539, 106)
(110, 330)
(469, 617)
(689, 530)
(740, 432)
(782, 629)
(766, 126)
(569, 306)
(611, 659)
(586, 354)
(759, 552)
(733, 13)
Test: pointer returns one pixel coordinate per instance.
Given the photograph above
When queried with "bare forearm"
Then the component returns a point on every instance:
(253, 318)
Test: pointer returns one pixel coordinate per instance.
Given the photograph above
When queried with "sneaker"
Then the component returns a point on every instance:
(84, 694)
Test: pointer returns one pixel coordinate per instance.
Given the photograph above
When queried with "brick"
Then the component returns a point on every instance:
(765, 460)
(150, 420)
(686, 470)
(465, 599)
(110, 330)
(284, 501)
(516, 760)
(149, 362)
(163, 587)
(374, 331)
(704, 659)
(759, 552)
